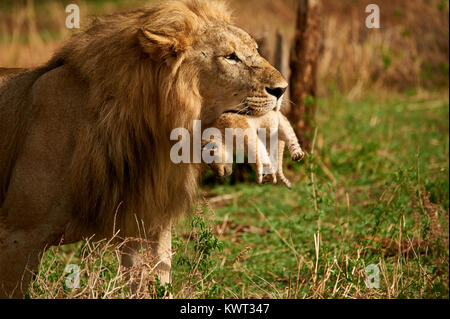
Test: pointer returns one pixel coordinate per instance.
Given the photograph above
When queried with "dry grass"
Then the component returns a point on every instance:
(410, 50)
(100, 273)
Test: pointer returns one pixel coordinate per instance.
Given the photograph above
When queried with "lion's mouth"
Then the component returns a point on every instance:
(251, 111)
(255, 109)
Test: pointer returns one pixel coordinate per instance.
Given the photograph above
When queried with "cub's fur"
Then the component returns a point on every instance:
(266, 172)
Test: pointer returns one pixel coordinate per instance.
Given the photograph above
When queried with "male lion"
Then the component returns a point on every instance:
(85, 138)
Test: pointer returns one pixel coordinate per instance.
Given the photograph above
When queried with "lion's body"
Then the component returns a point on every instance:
(85, 145)
(6, 73)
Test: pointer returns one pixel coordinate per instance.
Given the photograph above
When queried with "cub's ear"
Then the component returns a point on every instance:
(157, 45)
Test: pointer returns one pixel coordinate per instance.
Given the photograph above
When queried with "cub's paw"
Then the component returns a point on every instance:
(269, 175)
(297, 155)
(269, 179)
(227, 169)
(222, 170)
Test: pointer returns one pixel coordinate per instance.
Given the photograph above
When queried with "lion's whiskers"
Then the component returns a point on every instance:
(244, 109)
(287, 100)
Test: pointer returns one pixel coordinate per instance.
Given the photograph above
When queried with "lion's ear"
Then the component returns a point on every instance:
(158, 46)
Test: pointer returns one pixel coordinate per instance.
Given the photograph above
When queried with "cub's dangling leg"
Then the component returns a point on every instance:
(280, 173)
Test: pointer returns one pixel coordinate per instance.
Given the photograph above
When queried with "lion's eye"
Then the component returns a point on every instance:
(232, 57)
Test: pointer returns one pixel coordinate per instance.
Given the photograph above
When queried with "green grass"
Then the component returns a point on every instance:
(375, 191)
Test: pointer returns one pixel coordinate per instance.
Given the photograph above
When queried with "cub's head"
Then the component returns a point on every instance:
(214, 60)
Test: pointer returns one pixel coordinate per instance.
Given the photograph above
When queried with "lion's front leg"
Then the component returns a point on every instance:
(146, 258)
(33, 216)
(164, 255)
(20, 253)
(22, 243)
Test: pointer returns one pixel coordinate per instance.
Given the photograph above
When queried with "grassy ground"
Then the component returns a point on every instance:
(375, 192)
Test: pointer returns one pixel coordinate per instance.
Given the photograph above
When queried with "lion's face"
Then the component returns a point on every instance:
(218, 62)
(232, 74)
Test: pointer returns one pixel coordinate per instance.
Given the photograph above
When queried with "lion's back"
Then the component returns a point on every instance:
(7, 73)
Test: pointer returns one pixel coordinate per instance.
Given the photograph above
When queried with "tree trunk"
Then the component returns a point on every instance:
(280, 59)
(303, 64)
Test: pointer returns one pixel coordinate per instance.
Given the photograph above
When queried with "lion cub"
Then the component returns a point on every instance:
(265, 170)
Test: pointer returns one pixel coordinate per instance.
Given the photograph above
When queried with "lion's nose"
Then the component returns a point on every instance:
(277, 92)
